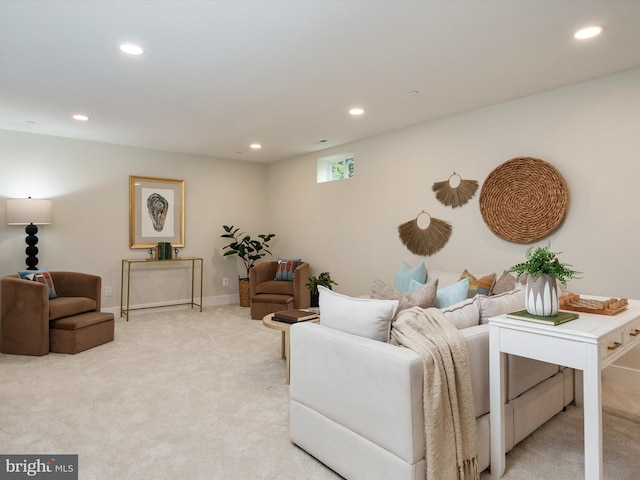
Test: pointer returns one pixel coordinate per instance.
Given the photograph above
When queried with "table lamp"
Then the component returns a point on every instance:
(30, 212)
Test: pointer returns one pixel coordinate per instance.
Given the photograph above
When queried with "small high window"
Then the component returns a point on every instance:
(335, 167)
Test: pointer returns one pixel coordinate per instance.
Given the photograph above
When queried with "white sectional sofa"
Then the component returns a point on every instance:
(356, 403)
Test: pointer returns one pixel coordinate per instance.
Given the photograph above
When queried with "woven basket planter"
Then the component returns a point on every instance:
(243, 290)
(524, 199)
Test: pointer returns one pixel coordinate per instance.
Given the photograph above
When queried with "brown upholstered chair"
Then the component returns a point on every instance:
(269, 295)
(33, 324)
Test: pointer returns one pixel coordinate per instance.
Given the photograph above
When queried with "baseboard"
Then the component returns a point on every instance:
(167, 306)
(628, 377)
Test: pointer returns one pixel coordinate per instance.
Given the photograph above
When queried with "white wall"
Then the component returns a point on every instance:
(88, 183)
(589, 132)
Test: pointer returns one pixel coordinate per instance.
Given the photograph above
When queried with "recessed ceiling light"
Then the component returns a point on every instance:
(589, 32)
(81, 118)
(131, 49)
(256, 146)
(356, 111)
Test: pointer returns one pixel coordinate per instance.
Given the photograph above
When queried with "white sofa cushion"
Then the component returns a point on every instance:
(445, 278)
(365, 317)
(463, 314)
(499, 304)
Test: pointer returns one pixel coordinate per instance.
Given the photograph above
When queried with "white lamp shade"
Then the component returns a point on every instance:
(23, 211)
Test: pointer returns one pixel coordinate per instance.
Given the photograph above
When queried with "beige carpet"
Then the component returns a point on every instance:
(556, 450)
(189, 395)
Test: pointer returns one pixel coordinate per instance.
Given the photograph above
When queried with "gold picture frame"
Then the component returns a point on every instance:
(156, 212)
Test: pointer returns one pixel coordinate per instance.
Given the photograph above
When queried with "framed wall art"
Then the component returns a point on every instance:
(156, 212)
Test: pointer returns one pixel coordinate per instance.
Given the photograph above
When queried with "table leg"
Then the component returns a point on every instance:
(497, 392)
(283, 347)
(592, 415)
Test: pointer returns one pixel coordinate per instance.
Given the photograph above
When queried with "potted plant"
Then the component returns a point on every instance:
(323, 279)
(544, 270)
(249, 250)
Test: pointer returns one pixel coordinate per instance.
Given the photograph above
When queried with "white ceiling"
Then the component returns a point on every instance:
(218, 75)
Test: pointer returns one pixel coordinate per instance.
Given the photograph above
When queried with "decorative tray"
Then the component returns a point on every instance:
(572, 301)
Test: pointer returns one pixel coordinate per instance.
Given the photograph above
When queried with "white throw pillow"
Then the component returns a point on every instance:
(464, 314)
(365, 317)
(498, 304)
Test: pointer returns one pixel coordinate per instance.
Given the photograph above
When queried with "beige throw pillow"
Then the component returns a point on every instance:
(424, 296)
(498, 304)
(505, 283)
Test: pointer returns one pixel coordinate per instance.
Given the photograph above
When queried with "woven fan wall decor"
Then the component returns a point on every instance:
(425, 241)
(455, 196)
(524, 200)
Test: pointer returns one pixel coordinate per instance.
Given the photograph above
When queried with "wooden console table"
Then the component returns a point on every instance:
(588, 343)
(127, 264)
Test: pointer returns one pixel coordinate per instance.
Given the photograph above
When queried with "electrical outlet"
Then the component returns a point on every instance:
(107, 291)
(225, 282)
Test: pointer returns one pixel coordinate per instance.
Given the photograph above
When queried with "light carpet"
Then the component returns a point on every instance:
(189, 395)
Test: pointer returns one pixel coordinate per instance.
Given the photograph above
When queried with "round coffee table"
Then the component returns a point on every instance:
(285, 328)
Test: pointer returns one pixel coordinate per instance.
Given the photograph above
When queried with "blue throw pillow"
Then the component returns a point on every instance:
(406, 273)
(447, 296)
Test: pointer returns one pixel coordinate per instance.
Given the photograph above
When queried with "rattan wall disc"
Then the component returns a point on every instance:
(524, 200)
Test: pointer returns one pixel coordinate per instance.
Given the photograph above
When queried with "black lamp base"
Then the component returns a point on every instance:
(31, 250)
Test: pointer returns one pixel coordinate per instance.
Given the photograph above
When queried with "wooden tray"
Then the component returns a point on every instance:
(572, 301)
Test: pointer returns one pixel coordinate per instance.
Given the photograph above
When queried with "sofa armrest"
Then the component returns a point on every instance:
(24, 317)
(372, 388)
(77, 284)
(477, 338)
(301, 294)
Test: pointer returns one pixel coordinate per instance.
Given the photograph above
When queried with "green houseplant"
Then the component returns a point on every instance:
(249, 250)
(543, 269)
(323, 279)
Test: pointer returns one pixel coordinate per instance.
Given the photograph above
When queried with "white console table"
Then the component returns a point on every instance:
(127, 264)
(588, 343)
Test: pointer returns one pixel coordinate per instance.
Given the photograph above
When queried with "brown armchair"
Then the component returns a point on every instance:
(33, 324)
(269, 295)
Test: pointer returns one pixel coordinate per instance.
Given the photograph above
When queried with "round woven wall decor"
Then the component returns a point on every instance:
(524, 200)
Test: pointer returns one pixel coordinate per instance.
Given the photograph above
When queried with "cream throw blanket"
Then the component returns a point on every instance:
(449, 413)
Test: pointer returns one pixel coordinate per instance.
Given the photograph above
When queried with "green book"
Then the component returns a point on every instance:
(164, 251)
(560, 317)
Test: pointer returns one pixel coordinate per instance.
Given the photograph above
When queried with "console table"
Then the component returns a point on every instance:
(588, 343)
(192, 263)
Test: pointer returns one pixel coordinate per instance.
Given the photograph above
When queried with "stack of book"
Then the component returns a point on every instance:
(295, 316)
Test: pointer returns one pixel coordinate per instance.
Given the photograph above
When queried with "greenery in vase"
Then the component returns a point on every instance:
(248, 249)
(323, 279)
(542, 260)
